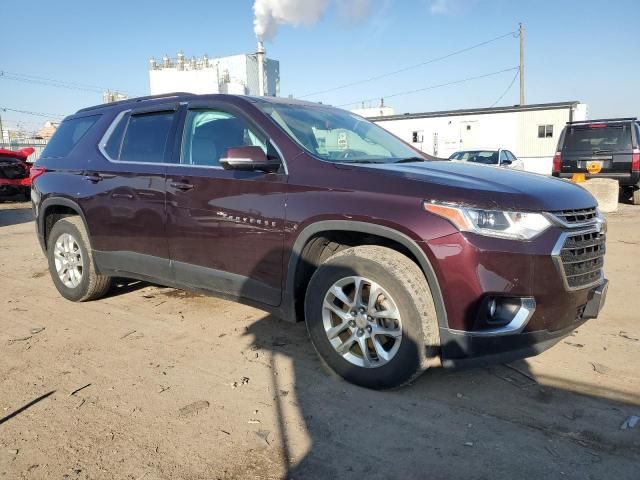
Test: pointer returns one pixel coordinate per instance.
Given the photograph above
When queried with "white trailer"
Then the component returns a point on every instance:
(530, 131)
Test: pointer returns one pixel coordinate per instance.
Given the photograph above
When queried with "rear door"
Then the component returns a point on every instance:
(225, 227)
(598, 149)
(126, 212)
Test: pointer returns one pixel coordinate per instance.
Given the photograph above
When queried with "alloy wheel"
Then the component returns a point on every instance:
(362, 322)
(68, 260)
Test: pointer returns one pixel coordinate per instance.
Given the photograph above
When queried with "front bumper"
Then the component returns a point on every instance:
(460, 349)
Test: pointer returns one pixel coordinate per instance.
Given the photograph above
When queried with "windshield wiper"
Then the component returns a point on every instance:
(595, 152)
(359, 161)
(410, 160)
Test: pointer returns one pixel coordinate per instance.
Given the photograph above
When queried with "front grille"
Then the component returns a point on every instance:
(582, 257)
(571, 217)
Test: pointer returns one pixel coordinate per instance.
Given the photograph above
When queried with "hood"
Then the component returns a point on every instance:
(488, 187)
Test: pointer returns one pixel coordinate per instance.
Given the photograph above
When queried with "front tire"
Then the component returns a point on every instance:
(71, 262)
(371, 317)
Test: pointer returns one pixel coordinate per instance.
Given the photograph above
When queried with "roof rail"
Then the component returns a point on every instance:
(604, 120)
(137, 99)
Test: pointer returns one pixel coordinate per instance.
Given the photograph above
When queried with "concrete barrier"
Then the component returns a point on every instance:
(606, 192)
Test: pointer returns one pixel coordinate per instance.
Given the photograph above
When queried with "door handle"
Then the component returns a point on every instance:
(97, 177)
(93, 177)
(181, 186)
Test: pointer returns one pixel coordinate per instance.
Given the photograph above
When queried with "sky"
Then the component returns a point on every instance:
(581, 50)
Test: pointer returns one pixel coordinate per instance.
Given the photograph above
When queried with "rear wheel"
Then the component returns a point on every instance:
(371, 317)
(71, 262)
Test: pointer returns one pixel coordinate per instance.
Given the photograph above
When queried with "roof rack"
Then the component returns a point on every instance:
(137, 99)
(603, 120)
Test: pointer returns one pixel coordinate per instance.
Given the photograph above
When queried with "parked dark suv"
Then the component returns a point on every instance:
(396, 262)
(602, 148)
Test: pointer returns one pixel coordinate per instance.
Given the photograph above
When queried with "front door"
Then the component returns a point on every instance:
(126, 211)
(225, 227)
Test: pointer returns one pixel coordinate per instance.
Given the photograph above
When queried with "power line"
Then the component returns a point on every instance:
(507, 90)
(35, 114)
(24, 78)
(427, 62)
(431, 87)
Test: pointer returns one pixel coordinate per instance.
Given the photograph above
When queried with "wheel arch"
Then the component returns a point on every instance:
(291, 313)
(59, 207)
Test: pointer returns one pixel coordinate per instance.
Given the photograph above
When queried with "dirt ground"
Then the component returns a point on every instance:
(155, 383)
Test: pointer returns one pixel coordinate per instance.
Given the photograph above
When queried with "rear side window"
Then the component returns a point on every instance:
(146, 137)
(598, 137)
(68, 135)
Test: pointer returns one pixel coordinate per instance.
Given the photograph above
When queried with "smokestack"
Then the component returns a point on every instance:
(260, 57)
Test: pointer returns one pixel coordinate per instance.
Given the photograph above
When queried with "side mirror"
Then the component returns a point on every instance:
(506, 162)
(248, 158)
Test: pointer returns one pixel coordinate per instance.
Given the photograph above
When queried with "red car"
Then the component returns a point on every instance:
(14, 172)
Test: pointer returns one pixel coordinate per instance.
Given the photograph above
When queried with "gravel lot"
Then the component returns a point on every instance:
(156, 383)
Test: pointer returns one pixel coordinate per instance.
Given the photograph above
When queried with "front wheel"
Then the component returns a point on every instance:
(371, 317)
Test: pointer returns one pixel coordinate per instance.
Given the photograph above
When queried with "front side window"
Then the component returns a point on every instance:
(68, 135)
(503, 156)
(209, 133)
(337, 135)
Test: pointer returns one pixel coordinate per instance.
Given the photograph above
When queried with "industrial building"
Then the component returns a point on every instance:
(244, 74)
(530, 131)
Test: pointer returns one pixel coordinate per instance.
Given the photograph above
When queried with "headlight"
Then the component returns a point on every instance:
(493, 223)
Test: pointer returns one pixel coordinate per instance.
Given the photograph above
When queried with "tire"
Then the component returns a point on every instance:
(402, 297)
(635, 196)
(85, 284)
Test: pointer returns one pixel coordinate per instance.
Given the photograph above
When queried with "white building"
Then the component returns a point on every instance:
(530, 131)
(237, 74)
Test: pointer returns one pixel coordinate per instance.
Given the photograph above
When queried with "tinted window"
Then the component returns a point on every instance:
(511, 156)
(68, 135)
(208, 134)
(146, 137)
(598, 137)
(503, 156)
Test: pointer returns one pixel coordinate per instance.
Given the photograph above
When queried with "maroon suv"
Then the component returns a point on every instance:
(395, 261)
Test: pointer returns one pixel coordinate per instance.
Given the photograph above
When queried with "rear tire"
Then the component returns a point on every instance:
(71, 262)
(385, 340)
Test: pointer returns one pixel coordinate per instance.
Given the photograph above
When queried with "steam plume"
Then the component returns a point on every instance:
(269, 15)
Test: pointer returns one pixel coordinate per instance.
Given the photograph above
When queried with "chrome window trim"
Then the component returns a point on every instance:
(114, 123)
(556, 255)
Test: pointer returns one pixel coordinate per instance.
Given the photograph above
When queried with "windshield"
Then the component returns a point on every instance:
(337, 135)
(598, 137)
(487, 157)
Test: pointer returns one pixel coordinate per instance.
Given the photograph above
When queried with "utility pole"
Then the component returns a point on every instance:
(1, 131)
(521, 34)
